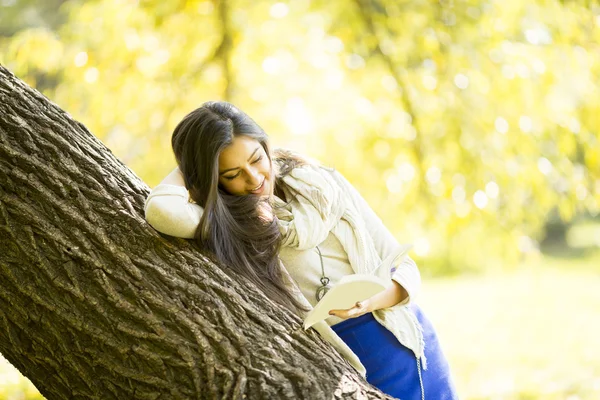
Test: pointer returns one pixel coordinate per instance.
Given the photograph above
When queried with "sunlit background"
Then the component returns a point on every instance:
(471, 127)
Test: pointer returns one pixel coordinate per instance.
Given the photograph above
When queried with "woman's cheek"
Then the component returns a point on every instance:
(229, 186)
(235, 187)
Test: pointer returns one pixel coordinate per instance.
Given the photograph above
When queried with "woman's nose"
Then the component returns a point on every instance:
(254, 177)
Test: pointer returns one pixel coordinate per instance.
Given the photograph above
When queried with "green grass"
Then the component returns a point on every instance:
(529, 334)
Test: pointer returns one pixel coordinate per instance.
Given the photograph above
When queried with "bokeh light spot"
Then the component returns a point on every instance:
(461, 81)
(544, 165)
(492, 190)
(501, 125)
(422, 246)
(81, 59)
(433, 175)
(91, 75)
(354, 61)
(279, 10)
(480, 199)
(525, 123)
(429, 82)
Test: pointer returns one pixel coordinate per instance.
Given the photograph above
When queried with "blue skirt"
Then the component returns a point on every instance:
(392, 367)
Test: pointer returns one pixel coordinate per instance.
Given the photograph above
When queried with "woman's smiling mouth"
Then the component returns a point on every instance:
(260, 187)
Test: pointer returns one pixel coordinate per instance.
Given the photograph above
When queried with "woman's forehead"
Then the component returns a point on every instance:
(241, 150)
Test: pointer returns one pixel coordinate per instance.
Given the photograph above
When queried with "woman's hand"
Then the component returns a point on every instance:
(389, 297)
(360, 308)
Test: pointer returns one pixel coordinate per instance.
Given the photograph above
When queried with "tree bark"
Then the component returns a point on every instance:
(94, 303)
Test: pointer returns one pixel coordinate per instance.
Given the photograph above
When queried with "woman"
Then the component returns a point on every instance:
(294, 227)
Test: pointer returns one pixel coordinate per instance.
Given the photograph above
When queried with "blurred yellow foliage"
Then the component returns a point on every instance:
(444, 117)
(467, 126)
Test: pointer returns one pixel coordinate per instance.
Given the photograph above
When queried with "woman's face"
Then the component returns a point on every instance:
(244, 167)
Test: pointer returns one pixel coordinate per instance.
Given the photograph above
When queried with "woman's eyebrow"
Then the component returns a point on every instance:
(249, 158)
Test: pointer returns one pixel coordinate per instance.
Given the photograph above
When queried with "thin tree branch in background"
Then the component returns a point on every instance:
(365, 16)
(225, 48)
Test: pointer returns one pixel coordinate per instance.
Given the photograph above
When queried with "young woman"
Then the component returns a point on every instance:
(294, 227)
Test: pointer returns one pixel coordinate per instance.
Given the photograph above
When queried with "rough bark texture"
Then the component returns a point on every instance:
(94, 303)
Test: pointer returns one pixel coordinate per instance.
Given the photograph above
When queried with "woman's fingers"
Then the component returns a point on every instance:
(356, 311)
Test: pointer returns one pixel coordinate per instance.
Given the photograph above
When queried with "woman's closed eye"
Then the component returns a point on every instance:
(236, 175)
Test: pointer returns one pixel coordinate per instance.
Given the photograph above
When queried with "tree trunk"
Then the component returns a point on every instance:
(94, 303)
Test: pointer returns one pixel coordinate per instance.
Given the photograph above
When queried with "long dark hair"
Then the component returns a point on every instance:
(232, 227)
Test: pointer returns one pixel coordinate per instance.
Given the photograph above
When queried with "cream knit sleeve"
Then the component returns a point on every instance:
(406, 272)
(168, 210)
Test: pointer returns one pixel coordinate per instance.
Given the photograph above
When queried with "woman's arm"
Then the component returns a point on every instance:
(406, 276)
(389, 297)
(168, 209)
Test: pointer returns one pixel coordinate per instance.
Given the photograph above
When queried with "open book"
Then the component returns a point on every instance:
(345, 294)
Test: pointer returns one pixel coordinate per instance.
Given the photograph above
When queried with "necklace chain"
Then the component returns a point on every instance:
(324, 288)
